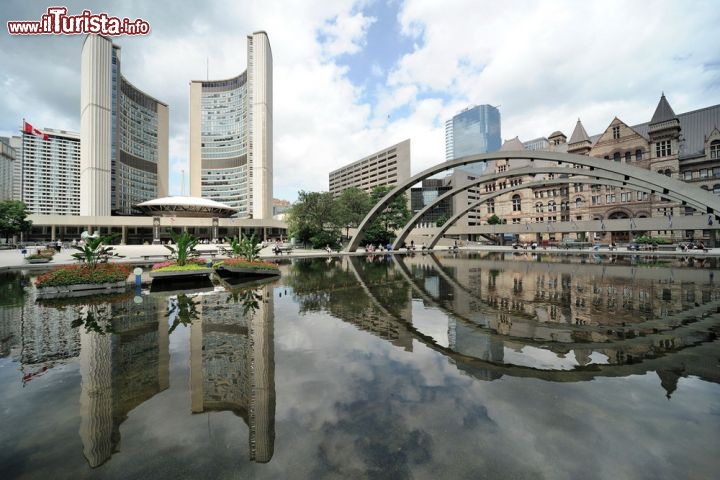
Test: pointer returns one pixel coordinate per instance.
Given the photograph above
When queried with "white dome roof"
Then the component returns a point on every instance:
(185, 206)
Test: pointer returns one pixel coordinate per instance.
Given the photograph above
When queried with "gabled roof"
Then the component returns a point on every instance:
(663, 112)
(694, 125)
(512, 145)
(579, 134)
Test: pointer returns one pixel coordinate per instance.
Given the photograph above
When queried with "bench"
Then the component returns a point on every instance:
(212, 253)
(158, 255)
(279, 249)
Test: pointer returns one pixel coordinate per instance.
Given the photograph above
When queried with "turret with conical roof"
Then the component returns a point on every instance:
(579, 143)
(664, 130)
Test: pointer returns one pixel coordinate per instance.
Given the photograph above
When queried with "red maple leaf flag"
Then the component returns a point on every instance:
(27, 128)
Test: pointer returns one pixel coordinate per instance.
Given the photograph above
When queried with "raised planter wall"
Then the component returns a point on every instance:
(81, 289)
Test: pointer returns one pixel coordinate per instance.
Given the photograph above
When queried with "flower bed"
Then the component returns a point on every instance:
(170, 268)
(77, 280)
(42, 256)
(80, 274)
(241, 265)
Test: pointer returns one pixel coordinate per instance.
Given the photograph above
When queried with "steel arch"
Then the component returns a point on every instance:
(407, 229)
(654, 182)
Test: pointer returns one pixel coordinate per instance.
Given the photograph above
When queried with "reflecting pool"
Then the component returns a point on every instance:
(426, 366)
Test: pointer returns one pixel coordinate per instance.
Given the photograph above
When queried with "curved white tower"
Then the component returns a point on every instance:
(123, 136)
(231, 150)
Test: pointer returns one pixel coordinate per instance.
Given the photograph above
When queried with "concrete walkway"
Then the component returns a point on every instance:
(133, 254)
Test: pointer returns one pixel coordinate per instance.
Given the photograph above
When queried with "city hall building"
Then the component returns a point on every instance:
(123, 136)
(683, 146)
(231, 135)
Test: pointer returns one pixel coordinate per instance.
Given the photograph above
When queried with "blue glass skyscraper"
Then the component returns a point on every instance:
(472, 131)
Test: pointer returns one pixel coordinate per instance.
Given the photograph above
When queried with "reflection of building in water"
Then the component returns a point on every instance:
(47, 335)
(12, 307)
(10, 320)
(120, 370)
(388, 298)
(567, 308)
(232, 364)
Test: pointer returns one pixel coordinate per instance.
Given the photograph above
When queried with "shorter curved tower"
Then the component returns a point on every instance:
(231, 154)
(123, 136)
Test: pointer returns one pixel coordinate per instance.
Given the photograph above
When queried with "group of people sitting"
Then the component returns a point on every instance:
(372, 248)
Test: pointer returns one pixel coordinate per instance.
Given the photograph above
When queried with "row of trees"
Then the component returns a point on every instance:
(319, 219)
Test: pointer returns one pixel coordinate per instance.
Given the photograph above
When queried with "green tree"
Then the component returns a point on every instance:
(13, 218)
(441, 221)
(352, 205)
(396, 214)
(494, 220)
(313, 219)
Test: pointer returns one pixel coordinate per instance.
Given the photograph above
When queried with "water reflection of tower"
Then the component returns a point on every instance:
(119, 370)
(232, 363)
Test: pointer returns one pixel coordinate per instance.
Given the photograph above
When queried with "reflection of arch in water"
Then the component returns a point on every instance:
(592, 167)
(388, 331)
(655, 326)
(232, 363)
(678, 361)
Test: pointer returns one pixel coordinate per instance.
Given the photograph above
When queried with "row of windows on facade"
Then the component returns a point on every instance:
(579, 202)
(364, 173)
(222, 95)
(701, 174)
(230, 173)
(229, 152)
(230, 111)
(364, 180)
(368, 163)
(228, 134)
(368, 172)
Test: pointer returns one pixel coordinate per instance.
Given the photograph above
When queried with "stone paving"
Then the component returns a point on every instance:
(11, 259)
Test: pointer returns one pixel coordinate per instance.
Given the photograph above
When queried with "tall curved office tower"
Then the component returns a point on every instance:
(123, 136)
(231, 135)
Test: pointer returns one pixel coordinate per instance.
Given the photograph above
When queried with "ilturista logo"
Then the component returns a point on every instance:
(57, 22)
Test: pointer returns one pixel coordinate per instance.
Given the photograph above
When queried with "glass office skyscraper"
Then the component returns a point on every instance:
(474, 130)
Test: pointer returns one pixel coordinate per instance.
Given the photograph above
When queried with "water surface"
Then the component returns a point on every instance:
(447, 366)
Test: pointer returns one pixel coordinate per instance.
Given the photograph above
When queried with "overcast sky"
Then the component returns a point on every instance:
(353, 77)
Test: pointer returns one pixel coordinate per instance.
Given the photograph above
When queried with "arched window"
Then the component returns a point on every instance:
(716, 189)
(667, 172)
(638, 155)
(539, 207)
(517, 206)
(628, 156)
(616, 157)
(551, 206)
(578, 202)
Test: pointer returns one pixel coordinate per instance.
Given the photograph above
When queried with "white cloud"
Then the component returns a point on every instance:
(544, 64)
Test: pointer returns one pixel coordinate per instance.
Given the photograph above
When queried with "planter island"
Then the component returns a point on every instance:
(81, 280)
(247, 268)
(195, 272)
